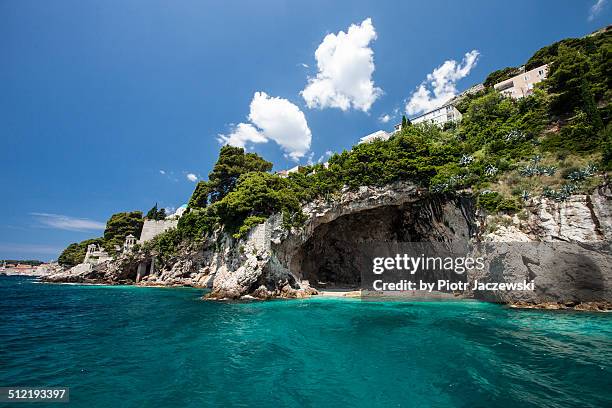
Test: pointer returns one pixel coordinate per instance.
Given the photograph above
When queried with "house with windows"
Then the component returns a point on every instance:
(285, 173)
(439, 116)
(521, 85)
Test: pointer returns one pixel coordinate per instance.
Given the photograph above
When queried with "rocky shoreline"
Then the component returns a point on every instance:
(273, 262)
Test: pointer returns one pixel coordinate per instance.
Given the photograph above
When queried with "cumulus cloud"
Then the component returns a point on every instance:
(191, 177)
(439, 86)
(346, 63)
(162, 172)
(273, 118)
(242, 134)
(596, 9)
(384, 118)
(65, 222)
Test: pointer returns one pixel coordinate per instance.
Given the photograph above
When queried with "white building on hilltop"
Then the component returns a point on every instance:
(379, 135)
(522, 85)
(439, 116)
(285, 173)
(447, 112)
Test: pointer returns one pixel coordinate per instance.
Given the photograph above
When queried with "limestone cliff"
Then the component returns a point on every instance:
(274, 262)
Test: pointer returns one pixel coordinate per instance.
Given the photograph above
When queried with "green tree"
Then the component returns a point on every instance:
(256, 194)
(152, 213)
(232, 163)
(200, 196)
(569, 86)
(156, 214)
(121, 225)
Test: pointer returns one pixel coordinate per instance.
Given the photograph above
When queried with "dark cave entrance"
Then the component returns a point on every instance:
(334, 256)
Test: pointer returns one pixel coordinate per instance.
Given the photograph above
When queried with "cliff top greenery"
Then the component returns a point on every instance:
(553, 143)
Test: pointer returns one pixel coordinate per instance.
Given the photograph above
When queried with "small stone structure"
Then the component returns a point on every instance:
(129, 243)
(96, 255)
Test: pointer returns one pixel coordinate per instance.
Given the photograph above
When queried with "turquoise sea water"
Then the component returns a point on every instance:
(154, 347)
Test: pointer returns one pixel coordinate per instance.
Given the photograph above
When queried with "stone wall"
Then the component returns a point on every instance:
(152, 228)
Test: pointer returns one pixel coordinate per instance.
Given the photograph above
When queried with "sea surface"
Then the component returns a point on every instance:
(158, 347)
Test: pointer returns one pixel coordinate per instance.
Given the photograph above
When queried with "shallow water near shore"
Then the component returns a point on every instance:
(157, 347)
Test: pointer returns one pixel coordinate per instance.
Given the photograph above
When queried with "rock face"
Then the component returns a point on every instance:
(561, 246)
(118, 271)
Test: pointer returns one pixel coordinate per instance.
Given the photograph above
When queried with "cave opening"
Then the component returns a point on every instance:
(333, 256)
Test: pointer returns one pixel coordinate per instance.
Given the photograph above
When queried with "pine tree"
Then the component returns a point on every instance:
(152, 214)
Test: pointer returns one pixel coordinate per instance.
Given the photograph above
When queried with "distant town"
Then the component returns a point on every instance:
(25, 267)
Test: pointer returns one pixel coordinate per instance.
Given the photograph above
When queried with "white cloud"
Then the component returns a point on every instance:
(162, 172)
(191, 177)
(596, 9)
(346, 63)
(441, 82)
(384, 118)
(276, 119)
(65, 222)
(242, 134)
(304, 65)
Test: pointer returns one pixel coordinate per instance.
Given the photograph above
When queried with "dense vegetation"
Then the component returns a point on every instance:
(74, 254)
(553, 143)
(117, 228)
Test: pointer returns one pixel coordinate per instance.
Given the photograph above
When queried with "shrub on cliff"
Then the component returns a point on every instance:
(489, 200)
(257, 194)
(74, 254)
(503, 127)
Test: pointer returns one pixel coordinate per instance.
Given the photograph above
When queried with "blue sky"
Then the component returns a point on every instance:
(108, 106)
